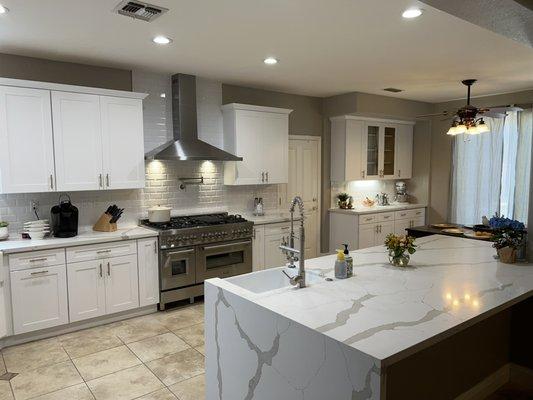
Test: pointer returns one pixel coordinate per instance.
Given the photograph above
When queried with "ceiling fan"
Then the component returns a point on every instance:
(469, 119)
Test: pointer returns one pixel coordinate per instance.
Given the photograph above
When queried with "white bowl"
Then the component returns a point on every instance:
(37, 236)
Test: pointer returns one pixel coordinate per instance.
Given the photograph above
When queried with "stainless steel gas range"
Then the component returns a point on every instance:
(198, 247)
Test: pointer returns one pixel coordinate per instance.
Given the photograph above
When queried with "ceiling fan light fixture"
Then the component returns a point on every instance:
(472, 130)
(461, 128)
(483, 127)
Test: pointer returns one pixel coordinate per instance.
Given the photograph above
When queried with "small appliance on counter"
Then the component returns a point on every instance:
(258, 206)
(108, 220)
(401, 195)
(64, 218)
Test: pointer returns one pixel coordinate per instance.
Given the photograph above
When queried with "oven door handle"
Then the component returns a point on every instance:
(179, 253)
(224, 246)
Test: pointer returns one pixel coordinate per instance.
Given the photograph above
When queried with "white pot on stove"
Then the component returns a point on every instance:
(159, 214)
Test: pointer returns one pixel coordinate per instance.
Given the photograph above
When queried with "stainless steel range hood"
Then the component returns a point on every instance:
(186, 145)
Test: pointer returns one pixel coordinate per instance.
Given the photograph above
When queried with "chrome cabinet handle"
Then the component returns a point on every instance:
(314, 199)
(38, 259)
(155, 247)
(39, 272)
(262, 176)
(107, 179)
(266, 175)
(399, 173)
(51, 182)
(101, 274)
(100, 180)
(363, 174)
(253, 234)
(103, 251)
(108, 269)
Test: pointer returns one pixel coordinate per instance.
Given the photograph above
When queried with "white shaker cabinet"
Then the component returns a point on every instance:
(260, 135)
(39, 297)
(123, 143)
(122, 283)
(147, 260)
(63, 138)
(258, 248)
(86, 290)
(77, 141)
(370, 148)
(26, 141)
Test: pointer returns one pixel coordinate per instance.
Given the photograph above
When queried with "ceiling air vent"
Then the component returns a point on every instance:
(393, 90)
(139, 10)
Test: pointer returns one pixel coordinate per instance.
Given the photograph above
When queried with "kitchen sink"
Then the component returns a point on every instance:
(270, 279)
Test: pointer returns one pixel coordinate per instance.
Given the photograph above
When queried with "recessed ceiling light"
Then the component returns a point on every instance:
(3, 9)
(412, 13)
(270, 61)
(161, 40)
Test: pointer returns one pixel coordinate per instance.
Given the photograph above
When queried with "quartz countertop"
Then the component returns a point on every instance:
(378, 209)
(18, 245)
(389, 312)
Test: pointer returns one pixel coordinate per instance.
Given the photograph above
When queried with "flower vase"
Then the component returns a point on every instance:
(401, 260)
(507, 255)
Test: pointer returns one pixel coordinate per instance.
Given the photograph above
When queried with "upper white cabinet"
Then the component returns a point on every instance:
(26, 143)
(123, 143)
(95, 136)
(260, 135)
(77, 141)
(368, 148)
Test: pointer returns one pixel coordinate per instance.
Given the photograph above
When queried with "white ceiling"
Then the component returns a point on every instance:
(324, 47)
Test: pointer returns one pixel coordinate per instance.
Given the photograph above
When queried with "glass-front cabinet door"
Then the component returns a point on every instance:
(371, 151)
(389, 152)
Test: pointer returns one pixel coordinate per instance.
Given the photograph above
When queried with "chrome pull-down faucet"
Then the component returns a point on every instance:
(288, 248)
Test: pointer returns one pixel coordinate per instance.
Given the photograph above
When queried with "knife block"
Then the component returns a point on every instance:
(103, 224)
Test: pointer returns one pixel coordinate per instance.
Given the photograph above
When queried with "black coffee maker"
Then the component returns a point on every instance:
(64, 218)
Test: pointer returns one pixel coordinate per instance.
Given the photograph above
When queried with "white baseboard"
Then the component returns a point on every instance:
(76, 326)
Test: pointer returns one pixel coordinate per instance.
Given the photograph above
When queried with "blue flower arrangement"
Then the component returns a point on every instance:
(507, 232)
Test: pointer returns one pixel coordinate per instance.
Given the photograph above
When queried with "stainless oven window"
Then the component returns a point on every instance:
(224, 259)
(178, 267)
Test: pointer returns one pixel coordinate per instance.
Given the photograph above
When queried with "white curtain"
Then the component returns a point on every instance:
(476, 175)
(523, 165)
(491, 171)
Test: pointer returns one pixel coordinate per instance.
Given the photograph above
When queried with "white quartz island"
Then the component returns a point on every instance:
(336, 339)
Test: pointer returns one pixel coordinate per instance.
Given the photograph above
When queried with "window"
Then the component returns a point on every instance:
(491, 171)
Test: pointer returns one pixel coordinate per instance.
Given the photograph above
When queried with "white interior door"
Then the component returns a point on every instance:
(275, 144)
(304, 181)
(77, 141)
(123, 143)
(26, 150)
(122, 283)
(86, 289)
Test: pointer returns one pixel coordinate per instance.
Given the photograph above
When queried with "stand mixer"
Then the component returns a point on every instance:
(401, 195)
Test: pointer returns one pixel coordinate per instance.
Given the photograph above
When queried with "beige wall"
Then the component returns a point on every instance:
(38, 69)
(306, 118)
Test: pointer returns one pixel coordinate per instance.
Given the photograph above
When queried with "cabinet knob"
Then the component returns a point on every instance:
(266, 176)
(262, 176)
(107, 179)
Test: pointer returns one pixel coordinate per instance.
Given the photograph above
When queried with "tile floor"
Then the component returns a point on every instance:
(155, 357)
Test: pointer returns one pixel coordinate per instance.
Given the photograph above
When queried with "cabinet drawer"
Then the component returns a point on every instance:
(279, 229)
(368, 219)
(410, 214)
(34, 259)
(97, 251)
(385, 217)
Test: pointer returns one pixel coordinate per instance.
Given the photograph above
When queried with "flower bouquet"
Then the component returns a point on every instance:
(397, 247)
(509, 235)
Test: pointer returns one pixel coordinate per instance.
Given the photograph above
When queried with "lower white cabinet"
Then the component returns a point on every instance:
(86, 294)
(266, 242)
(39, 297)
(121, 284)
(147, 260)
(366, 230)
(258, 248)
